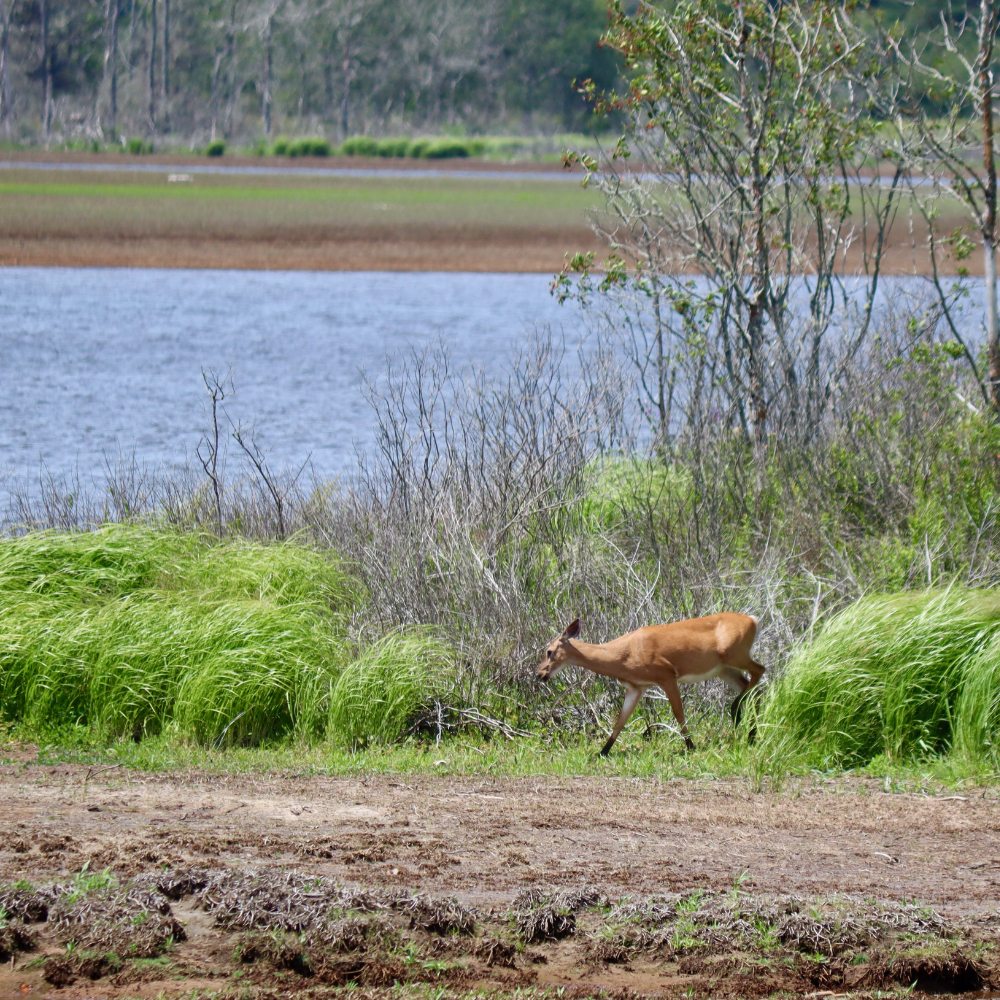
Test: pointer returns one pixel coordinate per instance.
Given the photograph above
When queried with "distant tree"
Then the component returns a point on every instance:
(5, 108)
(244, 66)
(549, 44)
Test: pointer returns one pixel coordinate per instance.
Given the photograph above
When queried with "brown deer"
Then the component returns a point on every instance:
(665, 656)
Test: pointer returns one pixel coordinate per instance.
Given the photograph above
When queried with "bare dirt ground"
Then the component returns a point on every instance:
(484, 842)
(360, 249)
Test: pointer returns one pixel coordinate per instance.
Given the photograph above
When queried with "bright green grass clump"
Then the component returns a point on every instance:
(902, 676)
(137, 630)
(376, 695)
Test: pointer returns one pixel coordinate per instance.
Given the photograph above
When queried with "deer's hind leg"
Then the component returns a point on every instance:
(673, 693)
(738, 681)
(744, 688)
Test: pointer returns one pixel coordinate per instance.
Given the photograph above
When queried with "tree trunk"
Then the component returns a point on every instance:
(111, 63)
(5, 66)
(152, 67)
(987, 32)
(266, 97)
(215, 93)
(760, 263)
(755, 322)
(46, 71)
(166, 66)
(345, 97)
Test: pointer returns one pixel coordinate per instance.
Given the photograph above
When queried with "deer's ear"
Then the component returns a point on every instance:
(572, 629)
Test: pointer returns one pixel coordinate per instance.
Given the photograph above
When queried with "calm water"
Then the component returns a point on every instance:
(97, 360)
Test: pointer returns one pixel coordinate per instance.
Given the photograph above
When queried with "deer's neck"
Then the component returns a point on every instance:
(596, 657)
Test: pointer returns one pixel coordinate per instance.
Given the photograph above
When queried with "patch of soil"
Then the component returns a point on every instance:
(442, 249)
(457, 881)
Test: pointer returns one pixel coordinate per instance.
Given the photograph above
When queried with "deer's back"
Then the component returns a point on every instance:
(696, 643)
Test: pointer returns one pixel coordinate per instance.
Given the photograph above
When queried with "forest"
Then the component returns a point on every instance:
(96, 70)
(85, 70)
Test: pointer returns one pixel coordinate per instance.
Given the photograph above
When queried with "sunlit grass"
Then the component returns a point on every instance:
(135, 630)
(434, 191)
(661, 758)
(894, 678)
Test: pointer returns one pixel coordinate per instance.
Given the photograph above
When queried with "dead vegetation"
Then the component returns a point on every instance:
(290, 929)
(548, 916)
(127, 920)
(714, 921)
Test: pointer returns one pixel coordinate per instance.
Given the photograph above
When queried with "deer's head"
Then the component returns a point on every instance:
(558, 652)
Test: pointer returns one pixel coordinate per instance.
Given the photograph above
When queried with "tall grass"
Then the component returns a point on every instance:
(377, 694)
(136, 630)
(902, 676)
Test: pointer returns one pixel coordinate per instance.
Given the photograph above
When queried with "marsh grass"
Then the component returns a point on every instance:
(902, 676)
(137, 630)
(376, 696)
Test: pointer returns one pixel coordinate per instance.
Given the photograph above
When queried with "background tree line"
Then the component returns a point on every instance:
(93, 69)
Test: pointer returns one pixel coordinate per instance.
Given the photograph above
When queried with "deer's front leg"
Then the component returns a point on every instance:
(633, 695)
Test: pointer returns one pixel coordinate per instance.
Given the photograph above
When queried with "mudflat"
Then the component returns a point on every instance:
(392, 215)
(390, 218)
(502, 850)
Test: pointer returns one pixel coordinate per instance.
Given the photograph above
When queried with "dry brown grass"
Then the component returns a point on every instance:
(339, 223)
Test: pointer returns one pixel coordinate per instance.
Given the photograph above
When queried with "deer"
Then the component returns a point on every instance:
(665, 656)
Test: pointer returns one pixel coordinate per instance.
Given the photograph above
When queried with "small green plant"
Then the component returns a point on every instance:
(316, 146)
(360, 145)
(91, 882)
(446, 149)
(280, 147)
(378, 693)
(137, 146)
(415, 148)
(393, 147)
(216, 148)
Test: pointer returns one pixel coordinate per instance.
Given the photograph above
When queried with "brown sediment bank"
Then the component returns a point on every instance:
(271, 882)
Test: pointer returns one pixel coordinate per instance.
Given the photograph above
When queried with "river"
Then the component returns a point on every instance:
(95, 362)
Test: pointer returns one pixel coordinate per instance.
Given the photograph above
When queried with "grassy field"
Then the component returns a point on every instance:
(350, 223)
(450, 223)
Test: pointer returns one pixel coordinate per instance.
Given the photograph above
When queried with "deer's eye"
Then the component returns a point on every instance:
(548, 653)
